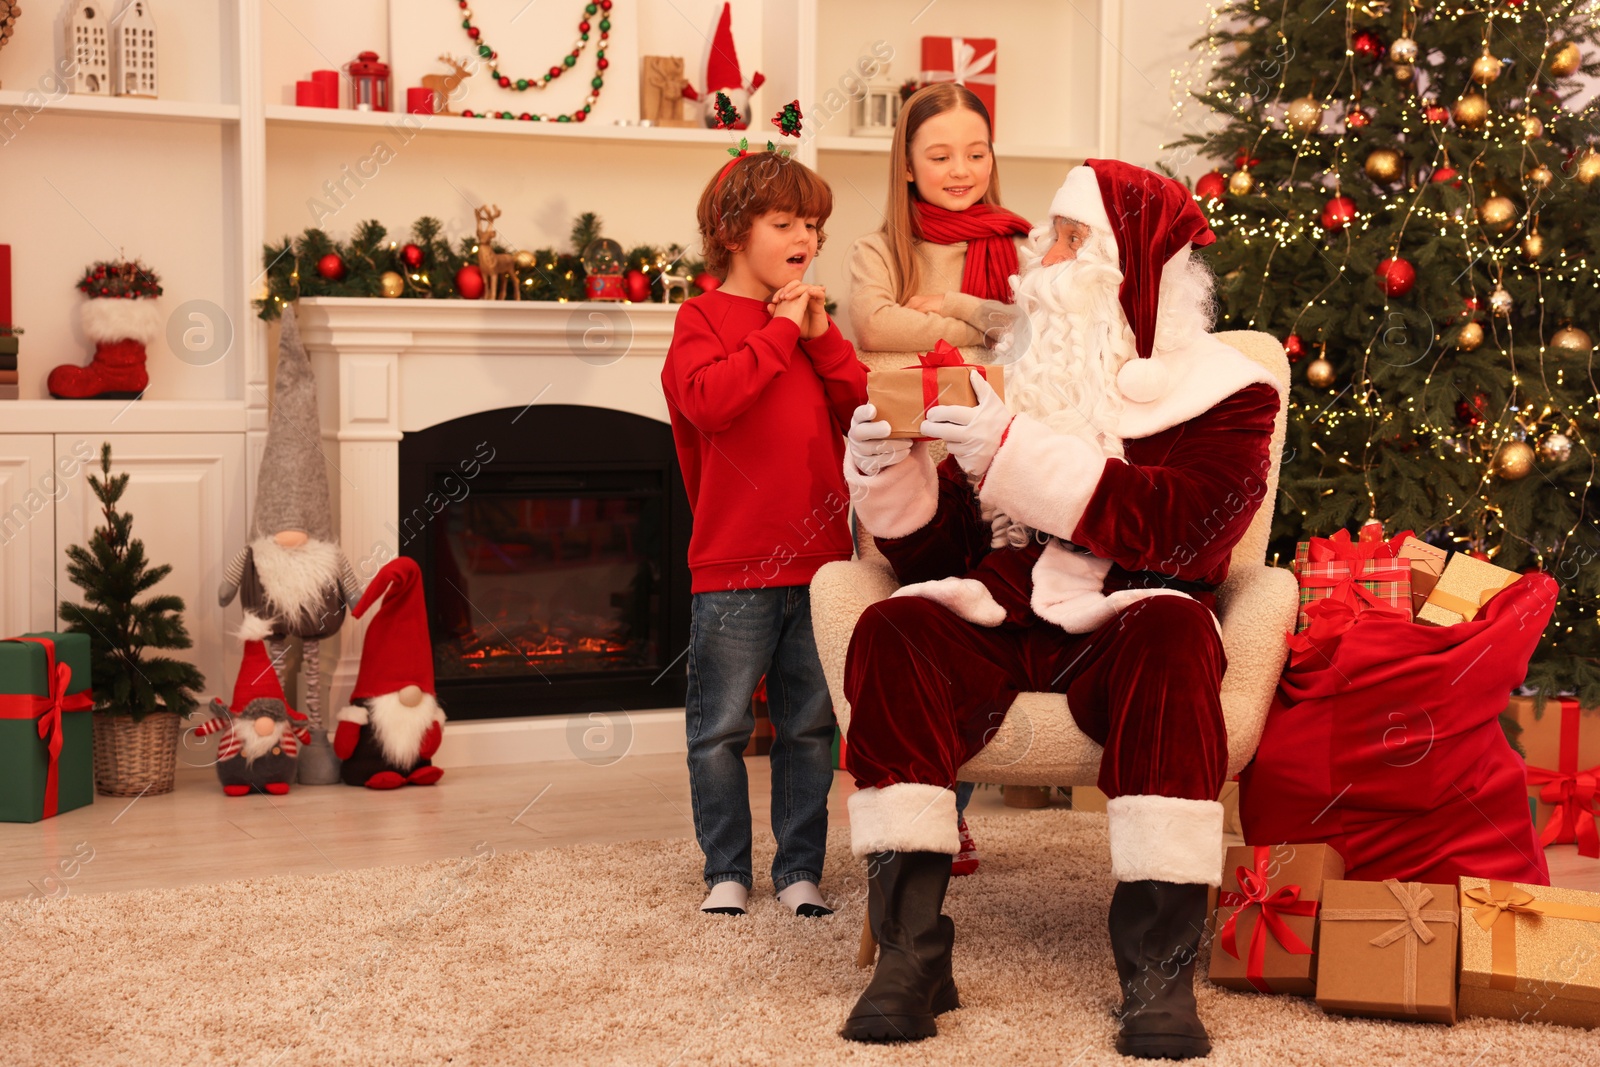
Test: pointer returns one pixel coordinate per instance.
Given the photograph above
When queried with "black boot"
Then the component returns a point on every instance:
(912, 983)
(1156, 929)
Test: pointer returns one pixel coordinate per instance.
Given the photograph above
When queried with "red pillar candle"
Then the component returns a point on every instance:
(5, 286)
(307, 94)
(419, 101)
(328, 82)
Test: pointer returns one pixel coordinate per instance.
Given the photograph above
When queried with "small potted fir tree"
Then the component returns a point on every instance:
(138, 698)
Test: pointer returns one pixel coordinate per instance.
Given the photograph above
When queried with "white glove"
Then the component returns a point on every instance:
(972, 434)
(870, 448)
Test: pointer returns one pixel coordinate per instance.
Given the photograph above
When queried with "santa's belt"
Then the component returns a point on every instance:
(1156, 580)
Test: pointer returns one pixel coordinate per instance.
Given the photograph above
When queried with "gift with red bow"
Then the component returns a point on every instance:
(968, 61)
(1366, 574)
(1266, 922)
(1562, 747)
(903, 396)
(46, 735)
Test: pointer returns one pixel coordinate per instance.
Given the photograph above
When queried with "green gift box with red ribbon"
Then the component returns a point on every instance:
(46, 733)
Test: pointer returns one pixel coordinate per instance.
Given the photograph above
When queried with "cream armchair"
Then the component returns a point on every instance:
(1039, 743)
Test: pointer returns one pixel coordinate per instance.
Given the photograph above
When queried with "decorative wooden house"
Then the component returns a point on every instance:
(88, 30)
(134, 49)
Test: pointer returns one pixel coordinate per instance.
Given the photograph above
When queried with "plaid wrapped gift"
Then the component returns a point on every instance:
(1366, 574)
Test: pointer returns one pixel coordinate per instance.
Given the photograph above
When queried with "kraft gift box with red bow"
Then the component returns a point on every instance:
(1562, 748)
(46, 734)
(904, 396)
(1266, 922)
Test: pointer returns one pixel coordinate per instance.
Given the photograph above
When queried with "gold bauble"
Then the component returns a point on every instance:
(1532, 128)
(1514, 460)
(1485, 69)
(1304, 114)
(1500, 302)
(1570, 339)
(1471, 110)
(1533, 245)
(1241, 181)
(1470, 337)
(1557, 448)
(393, 285)
(1403, 51)
(1404, 72)
(1589, 167)
(1319, 372)
(525, 260)
(1566, 60)
(1498, 212)
(1383, 164)
(1541, 176)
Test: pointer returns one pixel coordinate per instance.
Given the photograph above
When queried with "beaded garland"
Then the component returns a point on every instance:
(602, 8)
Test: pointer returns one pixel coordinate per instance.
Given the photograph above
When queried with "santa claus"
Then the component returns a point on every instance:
(1071, 542)
(393, 725)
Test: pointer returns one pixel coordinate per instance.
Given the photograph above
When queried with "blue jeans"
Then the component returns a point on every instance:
(734, 638)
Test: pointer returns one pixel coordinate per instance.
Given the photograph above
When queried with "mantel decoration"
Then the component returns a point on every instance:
(120, 318)
(523, 83)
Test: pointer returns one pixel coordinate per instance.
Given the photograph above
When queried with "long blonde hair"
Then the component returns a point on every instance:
(899, 226)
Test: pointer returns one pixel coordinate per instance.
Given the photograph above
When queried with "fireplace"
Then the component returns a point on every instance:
(553, 542)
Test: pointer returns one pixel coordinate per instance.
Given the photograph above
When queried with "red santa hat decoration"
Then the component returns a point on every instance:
(397, 651)
(1149, 214)
(257, 680)
(723, 75)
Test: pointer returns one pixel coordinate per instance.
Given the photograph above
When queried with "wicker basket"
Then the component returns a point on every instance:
(135, 758)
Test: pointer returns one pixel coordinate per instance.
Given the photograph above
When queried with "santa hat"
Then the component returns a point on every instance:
(1155, 219)
(397, 651)
(722, 66)
(257, 680)
(292, 485)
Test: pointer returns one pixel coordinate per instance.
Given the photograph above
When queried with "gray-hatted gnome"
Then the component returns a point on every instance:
(292, 572)
(393, 725)
(262, 735)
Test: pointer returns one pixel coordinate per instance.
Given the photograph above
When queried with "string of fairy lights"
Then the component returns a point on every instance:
(1488, 228)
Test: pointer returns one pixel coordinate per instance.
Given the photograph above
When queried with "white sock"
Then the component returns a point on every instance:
(793, 896)
(727, 895)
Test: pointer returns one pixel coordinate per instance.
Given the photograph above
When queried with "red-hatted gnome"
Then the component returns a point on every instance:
(723, 76)
(393, 725)
(259, 749)
(1071, 542)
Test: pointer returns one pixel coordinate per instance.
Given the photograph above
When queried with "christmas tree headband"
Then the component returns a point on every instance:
(787, 120)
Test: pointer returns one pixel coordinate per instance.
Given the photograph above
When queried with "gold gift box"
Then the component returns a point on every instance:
(1530, 953)
(1462, 590)
(898, 394)
(1427, 564)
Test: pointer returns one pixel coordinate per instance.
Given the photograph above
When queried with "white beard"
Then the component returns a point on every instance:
(296, 580)
(251, 744)
(398, 729)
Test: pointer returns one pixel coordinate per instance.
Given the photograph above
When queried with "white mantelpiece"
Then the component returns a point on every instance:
(389, 367)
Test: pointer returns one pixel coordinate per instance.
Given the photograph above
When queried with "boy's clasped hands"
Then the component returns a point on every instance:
(802, 304)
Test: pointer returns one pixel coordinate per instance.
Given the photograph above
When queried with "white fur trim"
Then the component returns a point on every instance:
(109, 319)
(899, 499)
(296, 580)
(1165, 839)
(1067, 590)
(1142, 380)
(1079, 199)
(1042, 478)
(353, 713)
(254, 628)
(967, 597)
(904, 817)
(1198, 378)
(398, 729)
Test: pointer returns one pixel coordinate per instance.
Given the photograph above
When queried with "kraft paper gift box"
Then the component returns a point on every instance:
(46, 733)
(1427, 564)
(904, 396)
(1562, 748)
(1388, 949)
(1466, 585)
(1530, 953)
(1266, 925)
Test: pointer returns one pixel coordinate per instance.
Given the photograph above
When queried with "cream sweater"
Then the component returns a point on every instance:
(886, 330)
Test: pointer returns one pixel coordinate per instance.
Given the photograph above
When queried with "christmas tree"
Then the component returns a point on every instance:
(112, 572)
(1408, 200)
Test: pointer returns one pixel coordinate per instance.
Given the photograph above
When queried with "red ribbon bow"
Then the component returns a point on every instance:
(944, 354)
(48, 709)
(1371, 544)
(1254, 886)
(1325, 620)
(1570, 790)
(1347, 588)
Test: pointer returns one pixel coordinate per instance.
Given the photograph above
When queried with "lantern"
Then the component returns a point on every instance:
(878, 109)
(369, 83)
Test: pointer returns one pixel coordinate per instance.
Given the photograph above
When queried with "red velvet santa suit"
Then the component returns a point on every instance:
(1110, 603)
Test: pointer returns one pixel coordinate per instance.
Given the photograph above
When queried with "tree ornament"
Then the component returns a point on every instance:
(331, 267)
(1470, 337)
(1588, 167)
(469, 282)
(637, 285)
(411, 256)
(1397, 275)
(1319, 373)
(1211, 185)
(1366, 43)
(1404, 50)
(1355, 119)
(391, 283)
(1471, 111)
(1435, 114)
(1383, 164)
(1304, 114)
(1500, 302)
(1338, 213)
(524, 259)
(1486, 68)
(1570, 340)
(1541, 176)
(1473, 412)
(1404, 73)
(1532, 128)
(1444, 174)
(1498, 212)
(1240, 182)
(1514, 460)
(1533, 246)
(1566, 60)
(1294, 347)
(1556, 448)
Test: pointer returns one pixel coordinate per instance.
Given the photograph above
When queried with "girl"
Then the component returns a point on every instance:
(939, 269)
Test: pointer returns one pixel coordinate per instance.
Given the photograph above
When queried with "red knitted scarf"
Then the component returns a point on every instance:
(987, 229)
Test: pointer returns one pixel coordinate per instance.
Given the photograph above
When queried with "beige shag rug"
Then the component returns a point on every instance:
(595, 954)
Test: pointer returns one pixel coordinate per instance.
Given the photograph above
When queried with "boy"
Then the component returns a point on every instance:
(761, 386)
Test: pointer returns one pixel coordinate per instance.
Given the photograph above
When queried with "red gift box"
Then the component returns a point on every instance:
(968, 61)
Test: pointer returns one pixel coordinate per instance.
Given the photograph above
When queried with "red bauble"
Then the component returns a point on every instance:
(707, 282)
(1338, 213)
(1471, 303)
(331, 267)
(1444, 174)
(636, 285)
(469, 282)
(1293, 347)
(1356, 119)
(1242, 159)
(1474, 411)
(1475, 554)
(1397, 275)
(411, 256)
(1436, 114)
(1366, 43)
(1211, 186)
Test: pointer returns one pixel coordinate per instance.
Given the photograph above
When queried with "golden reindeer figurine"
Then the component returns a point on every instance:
(496, 267)
(444, 85)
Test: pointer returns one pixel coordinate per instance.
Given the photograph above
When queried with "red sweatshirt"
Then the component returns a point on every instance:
(759, 418)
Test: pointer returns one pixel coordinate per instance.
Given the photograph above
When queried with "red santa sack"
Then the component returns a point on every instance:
(1384, 741)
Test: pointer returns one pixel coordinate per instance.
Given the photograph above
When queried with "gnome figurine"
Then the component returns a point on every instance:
(292, 572)
(261, 734)
(723, 76)
(393, 724)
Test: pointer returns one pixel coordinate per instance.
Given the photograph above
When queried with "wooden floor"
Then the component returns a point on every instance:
(196, 835)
